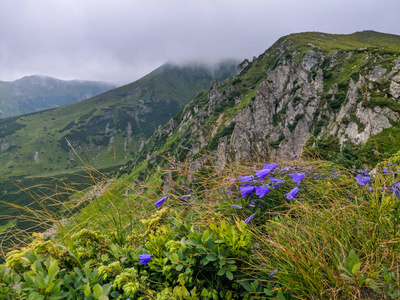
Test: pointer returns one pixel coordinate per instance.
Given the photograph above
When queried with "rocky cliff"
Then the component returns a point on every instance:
(309, 91)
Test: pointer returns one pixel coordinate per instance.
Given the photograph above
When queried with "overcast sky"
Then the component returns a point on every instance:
(121, 40)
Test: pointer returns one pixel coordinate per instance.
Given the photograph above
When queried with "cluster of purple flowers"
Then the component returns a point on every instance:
(265, 180)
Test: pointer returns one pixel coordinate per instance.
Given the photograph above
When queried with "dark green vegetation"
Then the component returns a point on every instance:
(35, 93)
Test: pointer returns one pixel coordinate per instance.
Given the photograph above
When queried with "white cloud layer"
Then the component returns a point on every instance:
(122, 40)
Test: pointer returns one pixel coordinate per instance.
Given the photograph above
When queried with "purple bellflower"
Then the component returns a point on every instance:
(365, 173)
(275, 182)
(248, 219)
(273, 273)
(270, 166)
(144, 259)
(247, 178)
(161, 201)
(298, 177)
(262, 173)
(362, 180)
(247, 191)
(237, 206)
(261, 191)
(292, 194)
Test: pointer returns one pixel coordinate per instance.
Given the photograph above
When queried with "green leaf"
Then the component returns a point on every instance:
(374, 287)
(180, 254)
(97, 290)
(36, 296)
(87, 289)
(210, 244)
(103, 297)
(114, 294)
(174, 257)
(352, 256)
(229, 274)
(246, 285)
(280, 296)
(28, 278)
(347, 277)
(356, 268)
(107, 288)
(221, 272)
(179, 267)
(345, 269)
(255, 285)
(387, 278)
(232, 268)
(52, 271)
(78, 271)
(211, 257)
(267, 292)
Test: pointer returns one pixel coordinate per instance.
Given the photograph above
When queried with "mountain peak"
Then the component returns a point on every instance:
(334, 42)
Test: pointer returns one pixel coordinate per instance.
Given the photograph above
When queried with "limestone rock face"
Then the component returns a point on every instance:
(241, 66)
(281, 99)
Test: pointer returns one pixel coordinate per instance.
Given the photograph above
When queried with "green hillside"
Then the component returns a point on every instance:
(106, 129)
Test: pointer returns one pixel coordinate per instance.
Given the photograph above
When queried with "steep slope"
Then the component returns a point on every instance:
(335, 95)
(106, 129)
(35, 93)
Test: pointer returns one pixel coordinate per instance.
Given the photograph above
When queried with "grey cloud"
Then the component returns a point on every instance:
(121, 40)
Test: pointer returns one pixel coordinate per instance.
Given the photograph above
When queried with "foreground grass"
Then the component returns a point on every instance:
(229, 233)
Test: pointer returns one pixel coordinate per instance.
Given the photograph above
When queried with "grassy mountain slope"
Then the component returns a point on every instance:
(35, 93)
(333, 42)
(105, 129)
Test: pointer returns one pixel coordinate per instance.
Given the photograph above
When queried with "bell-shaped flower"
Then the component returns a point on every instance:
(362, 180)
(298, 177)
(237, 206)
(292, 194)
(248, 219)
(247, 178)
(275, 182)
(161, 201)
(262, 173)
(261, 191)
(144, 259)
(247, 191)
(270, 166)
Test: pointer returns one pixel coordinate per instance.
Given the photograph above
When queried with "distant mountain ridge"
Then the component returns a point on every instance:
(38, 92)
(106, 129)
